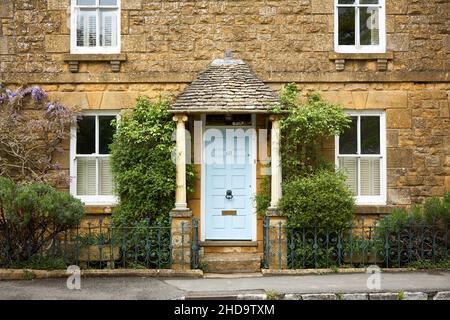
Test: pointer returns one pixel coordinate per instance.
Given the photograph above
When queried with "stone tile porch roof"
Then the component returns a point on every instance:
(226, 86)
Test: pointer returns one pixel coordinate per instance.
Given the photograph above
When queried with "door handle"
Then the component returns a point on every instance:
(229, 194)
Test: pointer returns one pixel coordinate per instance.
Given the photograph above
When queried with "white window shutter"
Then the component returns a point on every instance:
(109, 28)
(370, 177)
(105, 177)
(81, 30)
(92, 27)
(350, 168)
(86, 177)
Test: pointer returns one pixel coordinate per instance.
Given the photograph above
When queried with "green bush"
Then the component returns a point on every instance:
(321, 200)
(31, 216)
(141, 162)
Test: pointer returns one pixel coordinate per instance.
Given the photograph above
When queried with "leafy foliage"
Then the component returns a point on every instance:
(32, 130)
(303, 129)
(321, 200)
(31, 216)
(141, 161)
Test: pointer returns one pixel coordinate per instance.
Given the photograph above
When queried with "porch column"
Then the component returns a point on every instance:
(275, 162)
(276, 234)
(180, 195)
(181, 216)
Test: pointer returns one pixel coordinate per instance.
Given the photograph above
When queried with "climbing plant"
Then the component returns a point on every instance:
(141, 162)
(32, 131)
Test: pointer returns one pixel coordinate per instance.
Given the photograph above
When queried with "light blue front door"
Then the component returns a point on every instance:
(229, 184)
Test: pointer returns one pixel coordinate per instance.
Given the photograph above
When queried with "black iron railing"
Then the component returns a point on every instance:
(398, 245)
(100, 244)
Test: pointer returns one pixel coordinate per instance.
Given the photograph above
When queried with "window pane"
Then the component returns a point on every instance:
(370, 177)
(370, 135)
(106, 132)
(346, 26)
(86, 176)
(369, 26)
(349, 167)
(86, 2)
(348, 140)
(346, 1)
(105, 177)
(86, 135)
(87, 28)
(108, 28)
(368, 1)
(108, 2)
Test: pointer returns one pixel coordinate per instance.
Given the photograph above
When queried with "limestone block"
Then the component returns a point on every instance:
(57, 43)
(131, 4)
(94, 99)
(322, 6)
(134, 43)
(71, 99)
(58, 4)
(398, 119)
(3, 45)
(399, 158)
(118, 100)
(359, 99)
(387, 99)
(398, 42)
(343, 98)
(399, 196)
(6, 9)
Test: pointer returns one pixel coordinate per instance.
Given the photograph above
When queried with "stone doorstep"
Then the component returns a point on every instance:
(232, 262)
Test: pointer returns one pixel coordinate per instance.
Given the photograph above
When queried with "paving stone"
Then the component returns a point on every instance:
(383, 296)
(319, 296)
(443, 295)
(415, 296)
(355, 296)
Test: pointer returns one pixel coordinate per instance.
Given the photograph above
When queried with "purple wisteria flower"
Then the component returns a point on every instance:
(50, 107)
(38, 94)
(11, 94)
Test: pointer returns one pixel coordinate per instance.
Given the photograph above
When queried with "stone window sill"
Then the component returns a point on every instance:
(114, 59)
(373, 209)
(381, 58)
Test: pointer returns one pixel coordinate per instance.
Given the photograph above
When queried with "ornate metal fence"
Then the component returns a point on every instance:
(99, 244)
(388, 246)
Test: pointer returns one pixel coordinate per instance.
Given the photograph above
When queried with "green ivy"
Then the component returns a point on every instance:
(141, 162)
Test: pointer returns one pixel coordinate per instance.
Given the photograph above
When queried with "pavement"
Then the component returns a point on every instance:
(140, 288)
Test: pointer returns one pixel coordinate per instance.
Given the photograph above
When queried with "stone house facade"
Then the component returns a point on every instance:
(386, 61)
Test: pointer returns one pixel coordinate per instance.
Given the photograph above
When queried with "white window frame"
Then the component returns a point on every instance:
(74, 49)
(357, 48)
(368, 200)
(97, 199)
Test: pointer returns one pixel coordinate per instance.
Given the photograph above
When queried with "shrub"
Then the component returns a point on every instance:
(32, 130)
(142, 166)
(418, 235)
(321, 200)
(31, 216)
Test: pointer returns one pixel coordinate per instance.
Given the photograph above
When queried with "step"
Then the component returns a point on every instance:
(232, 262)
(229, 246)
